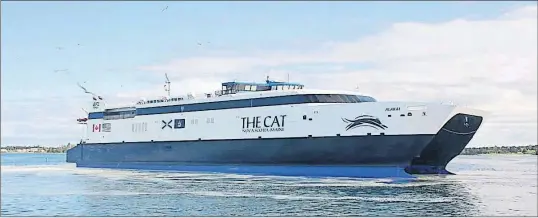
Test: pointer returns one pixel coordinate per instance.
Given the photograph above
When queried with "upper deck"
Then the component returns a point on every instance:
(248, 90)
(236, 87)
(237, 95)
(231, 88)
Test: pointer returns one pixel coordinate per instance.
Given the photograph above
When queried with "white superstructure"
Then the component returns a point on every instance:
(276, 110)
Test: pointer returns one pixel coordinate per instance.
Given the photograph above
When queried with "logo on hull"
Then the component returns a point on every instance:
(106, 127)
(266, 124)
(364, 120)
(178, 124)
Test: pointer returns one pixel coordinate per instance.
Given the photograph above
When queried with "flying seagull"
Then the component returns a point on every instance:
(62, 70)
(85, 90)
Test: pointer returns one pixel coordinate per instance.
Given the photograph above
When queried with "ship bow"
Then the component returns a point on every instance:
(448, 143)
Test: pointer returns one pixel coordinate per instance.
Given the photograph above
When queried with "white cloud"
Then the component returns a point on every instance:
(47, 121)
(487, 64)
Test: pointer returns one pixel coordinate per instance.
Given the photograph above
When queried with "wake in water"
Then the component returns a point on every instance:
(184, 184)
(115, 174)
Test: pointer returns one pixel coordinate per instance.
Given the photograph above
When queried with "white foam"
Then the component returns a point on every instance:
(304, 197)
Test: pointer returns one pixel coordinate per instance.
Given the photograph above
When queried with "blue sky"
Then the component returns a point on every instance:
(118, 38)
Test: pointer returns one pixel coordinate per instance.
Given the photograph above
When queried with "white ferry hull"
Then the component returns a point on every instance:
(332, 140)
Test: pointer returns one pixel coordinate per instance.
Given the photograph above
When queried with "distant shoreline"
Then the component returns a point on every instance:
(33, 152)
(494, 154)
(495, 150)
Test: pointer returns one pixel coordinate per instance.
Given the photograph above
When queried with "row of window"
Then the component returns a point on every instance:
(118, 115)
(286, 87)
(139, 127)
(245, 103)
(230, 89)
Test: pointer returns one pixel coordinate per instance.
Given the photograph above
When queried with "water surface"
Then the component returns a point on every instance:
(44, 185)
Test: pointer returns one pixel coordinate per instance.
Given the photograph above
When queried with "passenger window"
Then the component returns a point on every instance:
(347, 99)
(313, 99)
(321, 98)
(340, 98)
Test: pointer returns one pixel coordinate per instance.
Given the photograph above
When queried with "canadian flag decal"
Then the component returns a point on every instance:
(96, 127)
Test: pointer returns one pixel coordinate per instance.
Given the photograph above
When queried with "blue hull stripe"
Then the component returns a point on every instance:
(303, 171)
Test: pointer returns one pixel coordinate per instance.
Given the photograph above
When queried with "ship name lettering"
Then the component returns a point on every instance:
(265, 124)
(392, 109)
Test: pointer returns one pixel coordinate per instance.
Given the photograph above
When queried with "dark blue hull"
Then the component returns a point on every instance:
(336, 156)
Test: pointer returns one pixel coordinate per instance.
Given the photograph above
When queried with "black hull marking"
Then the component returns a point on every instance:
(448, 143)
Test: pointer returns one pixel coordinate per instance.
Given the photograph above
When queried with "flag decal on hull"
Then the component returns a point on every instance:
(96, 127)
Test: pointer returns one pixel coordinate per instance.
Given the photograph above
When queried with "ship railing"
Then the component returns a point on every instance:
(448, 102)
(216, 93)
(219, 93)
(226, 92)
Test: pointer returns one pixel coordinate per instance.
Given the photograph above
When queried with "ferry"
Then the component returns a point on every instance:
(276, 128)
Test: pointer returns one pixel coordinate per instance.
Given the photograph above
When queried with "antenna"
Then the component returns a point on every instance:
(167, 84)
(288, 77)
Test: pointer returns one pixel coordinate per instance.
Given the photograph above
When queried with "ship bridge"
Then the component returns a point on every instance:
(236, 87)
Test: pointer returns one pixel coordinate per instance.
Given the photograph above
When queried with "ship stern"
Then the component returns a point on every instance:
(74, 154)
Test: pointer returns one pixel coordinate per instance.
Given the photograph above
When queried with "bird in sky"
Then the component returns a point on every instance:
(85, 90)
(62, 70)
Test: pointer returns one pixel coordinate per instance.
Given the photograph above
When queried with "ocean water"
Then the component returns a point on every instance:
(44, 185)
